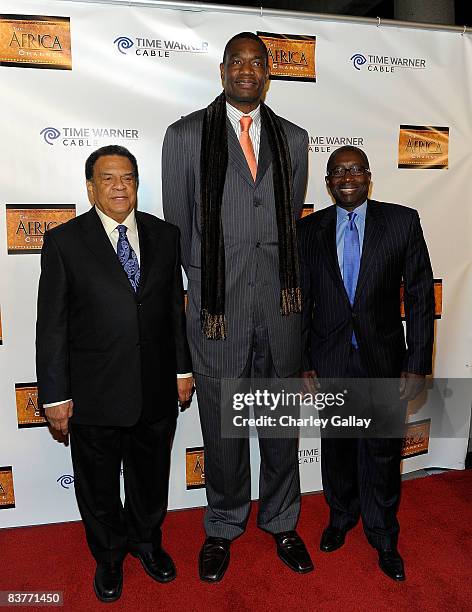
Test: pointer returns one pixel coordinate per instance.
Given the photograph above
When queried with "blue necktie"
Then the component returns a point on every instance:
(351, 261)
(127, 257)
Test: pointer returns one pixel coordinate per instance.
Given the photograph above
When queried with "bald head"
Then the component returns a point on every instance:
(346, 150)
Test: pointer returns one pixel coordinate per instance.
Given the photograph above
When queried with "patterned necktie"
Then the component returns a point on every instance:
(246, 145)
(351, 261)
(127, 257)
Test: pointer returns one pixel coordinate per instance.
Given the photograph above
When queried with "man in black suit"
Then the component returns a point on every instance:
(354, 257)
(110, 343)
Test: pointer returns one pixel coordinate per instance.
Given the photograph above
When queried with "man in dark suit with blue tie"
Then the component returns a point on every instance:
(112, 359)
(354, 257)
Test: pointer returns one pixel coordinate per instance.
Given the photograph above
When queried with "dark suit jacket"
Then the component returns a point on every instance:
(250, 239)
(393, 250)
(115, 353)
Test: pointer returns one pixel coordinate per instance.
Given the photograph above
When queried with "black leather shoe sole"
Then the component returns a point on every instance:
(107, 599)
(161, 579)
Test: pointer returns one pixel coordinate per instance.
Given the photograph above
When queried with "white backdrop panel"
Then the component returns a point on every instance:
(110, 89)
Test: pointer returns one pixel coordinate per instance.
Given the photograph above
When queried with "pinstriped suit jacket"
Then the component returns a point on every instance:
(393, 250)
(250, 239)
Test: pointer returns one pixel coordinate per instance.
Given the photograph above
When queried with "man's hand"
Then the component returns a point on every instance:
(311, 384)
(58, 416)
(411, 385)
(185, 391)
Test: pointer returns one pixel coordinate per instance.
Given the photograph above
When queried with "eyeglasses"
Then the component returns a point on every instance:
(340, 171)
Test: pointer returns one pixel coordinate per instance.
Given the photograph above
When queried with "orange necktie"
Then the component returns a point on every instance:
(246, 145)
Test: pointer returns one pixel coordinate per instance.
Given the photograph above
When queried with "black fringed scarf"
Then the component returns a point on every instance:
(213, 166)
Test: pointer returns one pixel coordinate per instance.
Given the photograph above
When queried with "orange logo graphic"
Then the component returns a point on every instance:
(28, 412)
(35, 41)
(27, 223)
(291, 57)
(423, 146)
(195, 467)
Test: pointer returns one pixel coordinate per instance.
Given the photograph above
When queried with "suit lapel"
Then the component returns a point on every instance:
(236, 155)
(328, 243)
(265, 156)
(96, 239)
(374, 230)
(148, 247)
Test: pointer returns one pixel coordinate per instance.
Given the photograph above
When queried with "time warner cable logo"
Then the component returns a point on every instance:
(144, 46)
(123, 43)
(78, 136)
(386, 63)
(50, 134)
(65, 481)
(358, 60)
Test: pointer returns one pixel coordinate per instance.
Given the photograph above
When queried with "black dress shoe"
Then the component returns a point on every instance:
(213, 559)
(332, 539)
(391, 564)
(293, 552)
(108, 581)
(157, 564)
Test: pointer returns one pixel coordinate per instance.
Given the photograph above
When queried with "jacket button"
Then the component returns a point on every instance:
(140, 304)
(258, 244)
(354, 315)
(257, 202)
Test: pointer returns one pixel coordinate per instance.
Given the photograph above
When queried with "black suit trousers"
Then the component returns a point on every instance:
(361, 478)
(97, 453)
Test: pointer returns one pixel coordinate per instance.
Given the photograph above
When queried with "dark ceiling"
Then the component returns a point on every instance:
(361, 8)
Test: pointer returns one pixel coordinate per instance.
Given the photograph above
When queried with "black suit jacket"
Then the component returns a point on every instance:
(115, 353)
(393, 250)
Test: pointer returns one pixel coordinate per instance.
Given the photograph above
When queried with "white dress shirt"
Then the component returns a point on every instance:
(110, 226)
(234, 115)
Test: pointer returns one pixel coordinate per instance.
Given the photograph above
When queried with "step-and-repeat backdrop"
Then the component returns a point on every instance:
(76, 76)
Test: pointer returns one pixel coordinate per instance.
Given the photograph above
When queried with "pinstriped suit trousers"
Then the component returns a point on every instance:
(361, 477)
(227, 462)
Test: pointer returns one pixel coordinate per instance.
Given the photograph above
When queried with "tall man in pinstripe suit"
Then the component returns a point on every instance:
(354, 257)
(234, 179)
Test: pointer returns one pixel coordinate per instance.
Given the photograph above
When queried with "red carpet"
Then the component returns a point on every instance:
(436, 543)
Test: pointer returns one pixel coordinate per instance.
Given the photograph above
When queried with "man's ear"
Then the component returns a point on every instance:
(327, 185)
(91, 192)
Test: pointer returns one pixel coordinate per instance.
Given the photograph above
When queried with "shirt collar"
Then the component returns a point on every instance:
(110, 224)
(235, 114)
(341, 213)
